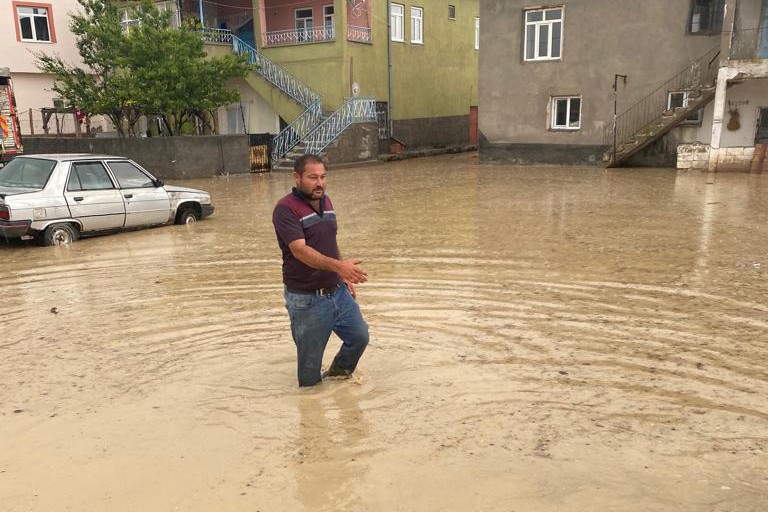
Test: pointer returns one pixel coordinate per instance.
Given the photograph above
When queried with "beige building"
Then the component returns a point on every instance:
(29, 28)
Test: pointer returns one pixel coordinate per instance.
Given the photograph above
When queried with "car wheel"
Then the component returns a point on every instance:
(187, 215)
(59, 234)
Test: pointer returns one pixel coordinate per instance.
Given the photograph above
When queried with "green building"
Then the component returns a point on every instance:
(328, 77)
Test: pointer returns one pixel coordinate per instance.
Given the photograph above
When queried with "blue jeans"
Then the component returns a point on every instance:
(313, 318)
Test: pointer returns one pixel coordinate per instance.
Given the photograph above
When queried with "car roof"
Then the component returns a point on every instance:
(66, 157)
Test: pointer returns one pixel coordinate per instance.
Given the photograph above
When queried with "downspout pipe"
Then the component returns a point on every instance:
(389, 70)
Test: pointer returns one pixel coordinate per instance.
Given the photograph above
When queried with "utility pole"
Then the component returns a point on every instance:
(615, 104)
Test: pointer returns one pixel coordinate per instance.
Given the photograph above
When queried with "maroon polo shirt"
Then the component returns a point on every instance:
(293, 219)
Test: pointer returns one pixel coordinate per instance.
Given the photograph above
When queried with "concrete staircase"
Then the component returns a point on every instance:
(292, 99)
(650, 119)
(668, 120)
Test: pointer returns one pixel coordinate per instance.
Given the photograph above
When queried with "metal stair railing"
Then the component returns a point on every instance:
(271, 72)
(354, 110)
(276, 75)
(295, 132)
(649, 110)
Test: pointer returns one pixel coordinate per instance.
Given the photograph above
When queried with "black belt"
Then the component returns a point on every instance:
(322, 291)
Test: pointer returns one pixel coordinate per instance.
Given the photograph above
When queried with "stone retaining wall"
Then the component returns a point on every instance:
(702, 157)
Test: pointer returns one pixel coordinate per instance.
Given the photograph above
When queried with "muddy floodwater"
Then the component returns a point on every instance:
(542, 339)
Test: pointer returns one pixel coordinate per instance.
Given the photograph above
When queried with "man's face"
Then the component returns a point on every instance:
(312, 182)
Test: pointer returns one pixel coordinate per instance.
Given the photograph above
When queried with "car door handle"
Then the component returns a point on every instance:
(78, 198)
(128, 196)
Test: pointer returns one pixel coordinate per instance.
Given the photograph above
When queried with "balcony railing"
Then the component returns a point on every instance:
(217, 35)
(359, 34)
(299, 36)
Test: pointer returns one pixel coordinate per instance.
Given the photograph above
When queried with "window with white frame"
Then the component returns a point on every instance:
(566, 113)
(417, 25)
(543, 33)
(328, 18)
(451, 12)
(303, 24)
(397, 12)
(127, 20)
(679, 99)
(477, 33)
(35, 23)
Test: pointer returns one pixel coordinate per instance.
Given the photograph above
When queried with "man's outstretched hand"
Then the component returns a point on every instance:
(349, 271)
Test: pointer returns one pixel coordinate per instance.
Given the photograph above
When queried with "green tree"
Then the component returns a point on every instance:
(150, 69)
(179, 81)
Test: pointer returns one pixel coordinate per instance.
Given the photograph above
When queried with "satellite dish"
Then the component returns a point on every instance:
(355, 88)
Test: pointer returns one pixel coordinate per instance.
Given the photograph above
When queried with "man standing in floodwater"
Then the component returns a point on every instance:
(319, 285)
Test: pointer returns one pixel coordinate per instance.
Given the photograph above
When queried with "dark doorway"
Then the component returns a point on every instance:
(762, 127)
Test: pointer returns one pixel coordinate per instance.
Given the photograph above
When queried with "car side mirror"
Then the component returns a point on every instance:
(159, 183)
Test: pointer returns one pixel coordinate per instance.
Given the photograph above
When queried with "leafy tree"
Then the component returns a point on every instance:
(153, 68)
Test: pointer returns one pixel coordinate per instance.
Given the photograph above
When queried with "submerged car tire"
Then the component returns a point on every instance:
(187, 215)
(59, 234)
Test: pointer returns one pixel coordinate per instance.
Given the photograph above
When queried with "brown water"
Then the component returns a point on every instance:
(543, 339)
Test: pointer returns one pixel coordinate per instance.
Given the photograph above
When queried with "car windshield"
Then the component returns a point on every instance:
(26, 173)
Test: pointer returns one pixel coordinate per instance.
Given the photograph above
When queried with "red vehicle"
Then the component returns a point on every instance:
(10, 134)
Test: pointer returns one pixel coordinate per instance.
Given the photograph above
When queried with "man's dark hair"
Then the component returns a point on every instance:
(301, 163)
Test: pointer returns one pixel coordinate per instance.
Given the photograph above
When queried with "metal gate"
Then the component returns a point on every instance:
(260, 151)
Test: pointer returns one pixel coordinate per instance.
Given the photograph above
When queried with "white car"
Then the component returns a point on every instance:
(57, 198)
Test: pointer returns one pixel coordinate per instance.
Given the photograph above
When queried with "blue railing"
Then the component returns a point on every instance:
(295, 132)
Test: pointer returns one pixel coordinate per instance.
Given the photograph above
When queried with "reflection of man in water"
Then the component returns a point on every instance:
(319, 285)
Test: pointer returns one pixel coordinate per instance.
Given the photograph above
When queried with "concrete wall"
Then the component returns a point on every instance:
(259, 115)
(647, 41)
(750, 16)
(433, 132)
(359, 143)
(747, 98)
(165, 157)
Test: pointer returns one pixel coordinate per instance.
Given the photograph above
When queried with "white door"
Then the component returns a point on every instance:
(145, 203)
(304, 25)
(93, 198)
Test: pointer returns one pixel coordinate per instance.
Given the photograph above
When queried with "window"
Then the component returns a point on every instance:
(543, 34)
(417, 25)
(328, 21)
(566, 113)
(26, 173)
(477, 33)
(34, 22)
(396, 11)
(88, 176)
(679, 99)
(451, 12)
(126, 20)
(130, 176)
(304, 24)
(706, 16)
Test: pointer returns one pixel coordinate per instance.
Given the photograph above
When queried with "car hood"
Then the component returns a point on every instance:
(11, 191)
(174, 188)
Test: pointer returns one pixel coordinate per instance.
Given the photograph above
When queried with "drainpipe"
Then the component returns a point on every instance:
(389, 70)
(202, 14)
